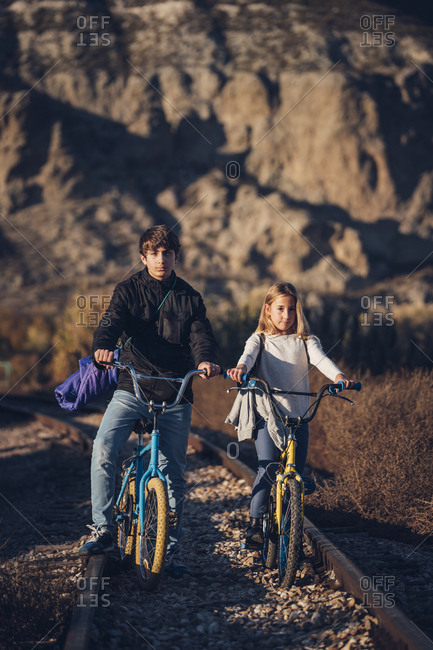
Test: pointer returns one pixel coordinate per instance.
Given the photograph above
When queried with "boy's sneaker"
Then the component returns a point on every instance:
(100, 541)
(175, 568)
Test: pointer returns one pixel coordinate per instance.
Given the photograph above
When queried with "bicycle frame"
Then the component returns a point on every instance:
(287, 472)
(282, 524)
(143, 477)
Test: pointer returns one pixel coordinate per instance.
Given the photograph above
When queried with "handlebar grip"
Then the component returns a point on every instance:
(338, 387)
(244, 377)
(101, 365)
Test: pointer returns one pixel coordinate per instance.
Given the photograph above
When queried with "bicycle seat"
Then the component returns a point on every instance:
(143, 425)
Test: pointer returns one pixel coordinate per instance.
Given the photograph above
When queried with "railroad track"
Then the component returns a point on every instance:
(43, 494)
(395, 629)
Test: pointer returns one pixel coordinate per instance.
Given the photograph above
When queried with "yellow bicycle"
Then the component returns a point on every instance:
(283, 522)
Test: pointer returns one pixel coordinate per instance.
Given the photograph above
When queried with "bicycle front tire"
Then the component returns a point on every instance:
(270, 532)
(290, 539)
(151, 542)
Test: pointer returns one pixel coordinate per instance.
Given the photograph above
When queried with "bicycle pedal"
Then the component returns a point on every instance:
(250, 547)
(172, 519)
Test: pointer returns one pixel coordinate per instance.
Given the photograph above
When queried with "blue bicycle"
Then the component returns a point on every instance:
(141, 511)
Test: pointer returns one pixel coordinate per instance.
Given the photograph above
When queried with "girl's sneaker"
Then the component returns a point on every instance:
(254, 537)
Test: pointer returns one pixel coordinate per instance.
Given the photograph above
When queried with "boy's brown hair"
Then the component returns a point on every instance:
(159, 237)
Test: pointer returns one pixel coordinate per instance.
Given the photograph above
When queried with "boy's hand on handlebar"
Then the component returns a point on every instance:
(236, 373)
(211, 369)
(347, 383)
(104, 355)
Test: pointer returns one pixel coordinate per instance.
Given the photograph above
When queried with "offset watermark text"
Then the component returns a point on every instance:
(377, 591)
(90, 308)
(376, 311)
(88, 593)
(92, 31)
(233, 170)
(376, 30)
(232, 450)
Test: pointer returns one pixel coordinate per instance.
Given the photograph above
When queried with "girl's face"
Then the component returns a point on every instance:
(282, 313)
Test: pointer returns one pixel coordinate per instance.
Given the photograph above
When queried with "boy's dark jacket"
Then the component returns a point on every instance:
(168, 343)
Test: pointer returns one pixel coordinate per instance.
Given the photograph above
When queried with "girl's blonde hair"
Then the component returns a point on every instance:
(300, 326)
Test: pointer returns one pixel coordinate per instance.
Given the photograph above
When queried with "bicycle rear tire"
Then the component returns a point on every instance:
(151, 542)
(125, 526)
(290, 539)
(270, 532)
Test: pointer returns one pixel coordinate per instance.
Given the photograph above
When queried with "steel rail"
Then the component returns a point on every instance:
(71, 430)
(78, 636)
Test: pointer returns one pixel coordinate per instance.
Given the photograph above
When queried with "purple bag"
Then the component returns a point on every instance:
(86, 384)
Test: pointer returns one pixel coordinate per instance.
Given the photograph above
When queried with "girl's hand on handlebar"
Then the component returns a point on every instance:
(236, 373)
(211, 369)
(347, 383)
(104, 355)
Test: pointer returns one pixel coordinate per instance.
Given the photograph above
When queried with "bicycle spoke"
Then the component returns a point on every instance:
(125, 527)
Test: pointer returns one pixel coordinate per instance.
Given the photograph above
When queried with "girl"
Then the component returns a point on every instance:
(283, 358)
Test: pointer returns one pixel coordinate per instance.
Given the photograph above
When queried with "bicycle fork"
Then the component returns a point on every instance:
(288, 473)
(151, 472)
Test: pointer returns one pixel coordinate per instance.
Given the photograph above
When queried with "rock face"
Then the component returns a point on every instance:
(286, 141)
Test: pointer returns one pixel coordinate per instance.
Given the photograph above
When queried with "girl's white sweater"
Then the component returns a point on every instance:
(284, 365)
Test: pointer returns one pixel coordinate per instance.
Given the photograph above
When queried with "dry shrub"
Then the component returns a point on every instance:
(35, 611)
(74, 338)
(13, 329)
(25, 339)
(44, 348)
(380, 451)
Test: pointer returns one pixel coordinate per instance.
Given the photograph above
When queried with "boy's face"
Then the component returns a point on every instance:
(160, 262)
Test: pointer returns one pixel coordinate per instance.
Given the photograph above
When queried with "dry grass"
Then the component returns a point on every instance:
(380, 451)
(34, 611)
(212, 404)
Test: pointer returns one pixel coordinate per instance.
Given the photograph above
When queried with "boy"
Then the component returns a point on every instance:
(162, 323)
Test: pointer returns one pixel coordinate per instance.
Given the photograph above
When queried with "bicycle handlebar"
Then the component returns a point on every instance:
(136, 376)
(327, 389)
(332, 390)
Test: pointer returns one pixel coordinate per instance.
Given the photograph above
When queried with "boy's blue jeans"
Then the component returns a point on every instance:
(268, 455)
(119, 418)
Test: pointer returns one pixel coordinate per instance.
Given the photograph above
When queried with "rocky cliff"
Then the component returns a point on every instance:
(283, 140)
